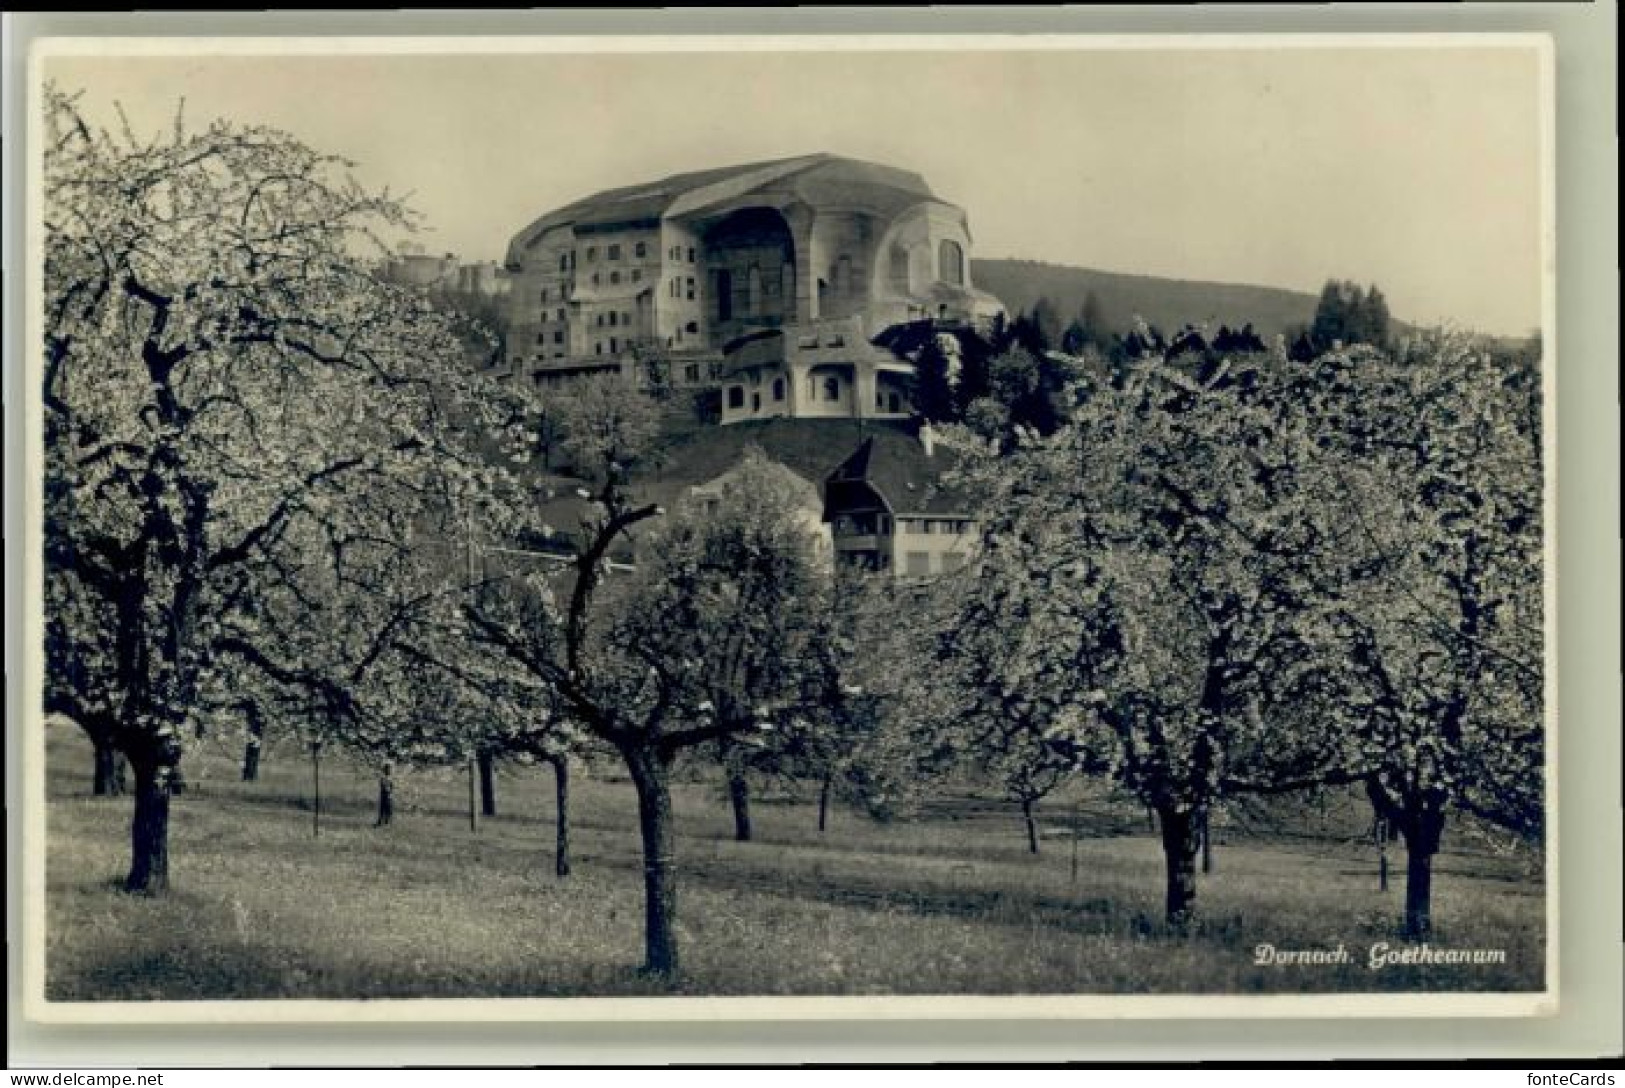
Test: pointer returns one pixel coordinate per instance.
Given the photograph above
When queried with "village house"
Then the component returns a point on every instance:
(769, 281)
(803, 493)
(889, 511)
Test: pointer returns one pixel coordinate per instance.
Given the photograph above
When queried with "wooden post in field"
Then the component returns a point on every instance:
(473, 808)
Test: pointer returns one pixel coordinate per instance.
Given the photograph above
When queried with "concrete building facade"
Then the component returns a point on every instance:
(768, 280)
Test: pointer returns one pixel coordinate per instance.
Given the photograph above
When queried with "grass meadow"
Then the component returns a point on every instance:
(948, 902)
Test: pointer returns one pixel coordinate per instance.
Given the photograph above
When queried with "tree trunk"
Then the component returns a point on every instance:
(386, 799)
(109, 778)
(739, 797)
(1207, 843)
(251, 760)
(1179, 849)
(251, 749)
(1032, 824)
(561, 796)
(1418, 895)
(1423, 832)
(149, 831)
(649, 775)
(488, 783)
(823, 804)
(316, 789)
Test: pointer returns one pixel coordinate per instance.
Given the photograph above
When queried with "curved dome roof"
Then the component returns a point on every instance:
(818, 180)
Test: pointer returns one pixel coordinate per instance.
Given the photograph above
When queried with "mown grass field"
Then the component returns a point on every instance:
(947, 903)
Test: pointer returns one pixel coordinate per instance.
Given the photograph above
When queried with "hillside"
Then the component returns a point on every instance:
(1165, 303)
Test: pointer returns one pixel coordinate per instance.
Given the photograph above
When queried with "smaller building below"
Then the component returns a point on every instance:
(890, 513)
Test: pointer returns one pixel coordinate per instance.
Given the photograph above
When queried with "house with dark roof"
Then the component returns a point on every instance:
(768, 280)
(890, 512)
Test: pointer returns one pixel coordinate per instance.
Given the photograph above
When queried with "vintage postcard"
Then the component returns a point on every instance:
(791, 528)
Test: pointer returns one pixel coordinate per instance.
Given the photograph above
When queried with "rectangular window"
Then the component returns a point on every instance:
(558, 336)
(736, 396)
(614, 319)
(691, 288)
(614, 345)
(640, 250)
(637, 275)
(592, 253)
(614, 253)
(690, 254)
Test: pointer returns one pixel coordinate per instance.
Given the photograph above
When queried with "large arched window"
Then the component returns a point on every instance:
(950, 262)
(753, 291)
(898, 272)
(725, 295)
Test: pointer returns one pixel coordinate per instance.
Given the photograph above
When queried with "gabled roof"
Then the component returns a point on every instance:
(894, 468)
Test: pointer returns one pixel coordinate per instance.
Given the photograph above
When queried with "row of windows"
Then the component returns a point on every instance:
(621, 318)
(862, 525)
(950, 264)
(615, 277)
(934, 526)
(612, 252)
(678, 286)
(736, 394)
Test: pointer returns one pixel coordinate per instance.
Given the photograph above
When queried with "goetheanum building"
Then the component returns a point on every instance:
(769, 280)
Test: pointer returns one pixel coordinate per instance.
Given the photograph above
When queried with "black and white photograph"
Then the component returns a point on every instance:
(1060, 524)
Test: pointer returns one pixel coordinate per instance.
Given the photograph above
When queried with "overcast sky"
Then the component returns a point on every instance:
(1418, 169)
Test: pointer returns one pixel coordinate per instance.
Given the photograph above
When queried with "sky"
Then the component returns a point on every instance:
(1418, 169)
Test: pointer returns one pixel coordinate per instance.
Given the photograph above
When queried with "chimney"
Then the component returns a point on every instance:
(928, 438)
